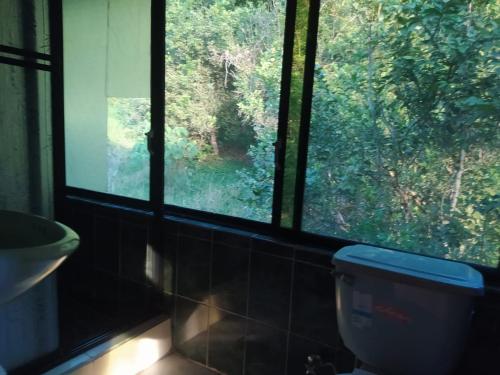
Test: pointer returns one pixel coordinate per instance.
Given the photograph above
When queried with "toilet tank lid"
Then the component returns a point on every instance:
(411, 268)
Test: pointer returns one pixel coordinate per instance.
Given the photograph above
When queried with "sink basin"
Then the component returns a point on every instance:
(31, 247)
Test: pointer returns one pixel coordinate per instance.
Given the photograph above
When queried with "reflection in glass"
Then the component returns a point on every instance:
(107, 110)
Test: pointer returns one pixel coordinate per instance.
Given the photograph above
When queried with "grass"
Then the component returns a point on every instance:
(207, 186)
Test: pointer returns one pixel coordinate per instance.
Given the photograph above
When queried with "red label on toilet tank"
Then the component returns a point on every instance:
(392, 313)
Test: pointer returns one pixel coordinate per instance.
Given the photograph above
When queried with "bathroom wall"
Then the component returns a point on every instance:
(245, 303)
(248, 304)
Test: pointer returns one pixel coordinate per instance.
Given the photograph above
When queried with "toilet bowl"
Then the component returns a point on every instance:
(403, 313)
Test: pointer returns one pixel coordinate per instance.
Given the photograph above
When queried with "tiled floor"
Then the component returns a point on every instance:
(174, 364)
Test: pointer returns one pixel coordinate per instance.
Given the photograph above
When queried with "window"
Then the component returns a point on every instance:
(385, 121)
(223, 71)
(403, 149)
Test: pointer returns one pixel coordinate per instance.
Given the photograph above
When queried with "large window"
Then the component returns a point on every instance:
(404, 143)
(384, 122)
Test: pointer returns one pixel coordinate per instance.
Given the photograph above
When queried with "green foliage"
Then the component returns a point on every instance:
(404, 137)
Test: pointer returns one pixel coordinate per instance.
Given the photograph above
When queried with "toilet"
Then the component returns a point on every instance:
(403, 313)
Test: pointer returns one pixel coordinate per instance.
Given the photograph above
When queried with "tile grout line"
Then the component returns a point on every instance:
(247, 321)
(174, 290)
(260, 322)
(120, 247)
(290, 305)
(210, 277)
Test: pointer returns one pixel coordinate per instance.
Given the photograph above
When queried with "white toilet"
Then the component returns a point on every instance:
(402, 313)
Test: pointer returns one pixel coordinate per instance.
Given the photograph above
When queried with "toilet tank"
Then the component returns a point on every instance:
(404, 313)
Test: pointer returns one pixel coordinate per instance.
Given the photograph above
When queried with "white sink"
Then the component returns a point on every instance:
(31, 247)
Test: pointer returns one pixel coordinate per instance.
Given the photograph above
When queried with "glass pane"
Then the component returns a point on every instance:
(223, 72)
(25, 24)
(25, 131)
(404, 145)
(107, 105)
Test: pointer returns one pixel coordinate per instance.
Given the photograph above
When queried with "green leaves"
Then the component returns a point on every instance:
(390, 120)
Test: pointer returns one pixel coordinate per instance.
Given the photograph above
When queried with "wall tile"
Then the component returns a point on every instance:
(230, 278)
(270, 282)
(82, 223)
(313, 305)
(170, 247)
(195, 229)
(300, 349)
(78, 322)
(267, 245)
(193, 268)
(106, 244)
(102, 292)
(134, 242)
(265, 350)
(232, 237)
(170, 226)
(483, 346)
(137, 300)
(316, 256)
(190, 329)
(226, 342)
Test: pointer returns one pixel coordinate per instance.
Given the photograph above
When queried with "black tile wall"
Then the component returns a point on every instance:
(266, 350)
(267, 310)
(229, 289)
(290, 307)
(134, 240)
(235, 238)
(483, 346)
(106, 244)
(197, 230)
(82, 222)
(171, 227)
(226, 341)
(244, 304)
(168, 275)
(190, 329)
(313, 256)
(266, 245)
(313, 309)
(270, 284)
(193, 268)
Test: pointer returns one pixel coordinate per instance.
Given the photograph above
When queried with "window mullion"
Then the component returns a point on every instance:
(305, 116)
(280, 145)
(157, 138)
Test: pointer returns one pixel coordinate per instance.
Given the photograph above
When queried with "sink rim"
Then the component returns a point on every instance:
(62, 247)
